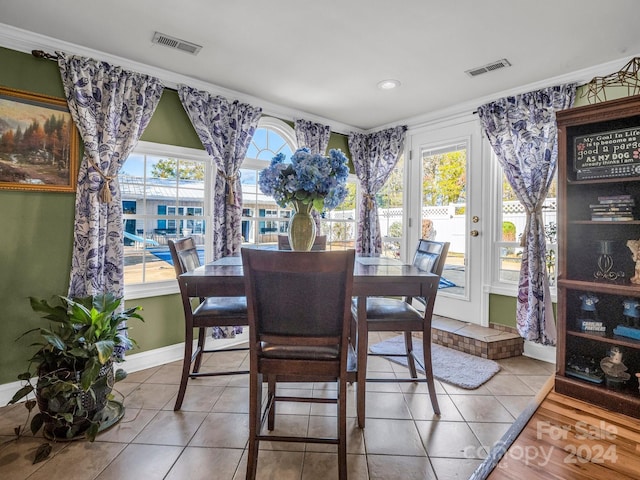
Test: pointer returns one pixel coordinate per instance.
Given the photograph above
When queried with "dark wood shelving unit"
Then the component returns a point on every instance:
(605, 126)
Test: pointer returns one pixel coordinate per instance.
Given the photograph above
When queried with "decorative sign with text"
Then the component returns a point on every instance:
(608, 154)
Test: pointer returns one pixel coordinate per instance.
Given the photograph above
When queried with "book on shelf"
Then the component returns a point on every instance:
(607, 208)
(612, 219)
(613, 208)
(615, 198)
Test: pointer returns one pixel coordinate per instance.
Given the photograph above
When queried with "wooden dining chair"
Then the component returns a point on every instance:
(299, 318)
(209, 312)
(387, 314)
(320, 243)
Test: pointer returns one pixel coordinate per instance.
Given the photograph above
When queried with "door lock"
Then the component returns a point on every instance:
(474, 233)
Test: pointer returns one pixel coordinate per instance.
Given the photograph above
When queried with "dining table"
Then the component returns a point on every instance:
(372, 276)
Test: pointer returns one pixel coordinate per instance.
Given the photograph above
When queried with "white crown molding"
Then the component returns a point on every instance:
(26, 41)
(461, 110)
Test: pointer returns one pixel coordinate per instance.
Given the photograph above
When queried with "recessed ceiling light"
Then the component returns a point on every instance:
(388, 84)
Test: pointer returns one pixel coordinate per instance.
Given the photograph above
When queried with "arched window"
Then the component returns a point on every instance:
(272, 136)
(262, 219)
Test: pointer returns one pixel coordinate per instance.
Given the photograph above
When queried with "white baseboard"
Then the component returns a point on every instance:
(544, 353)
(143, 360)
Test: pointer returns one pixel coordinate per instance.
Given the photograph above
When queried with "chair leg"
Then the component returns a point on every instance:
(342, 429)
(363, 348)
(428, 371)
(408, 345)
(202, 331)
(186, 367)
(271, 399)
(255, 413)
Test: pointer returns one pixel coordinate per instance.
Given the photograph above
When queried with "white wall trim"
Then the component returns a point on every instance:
(544, 353)
(141, 361)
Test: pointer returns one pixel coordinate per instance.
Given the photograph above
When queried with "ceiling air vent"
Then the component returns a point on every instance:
(474, 72)
(176, 43)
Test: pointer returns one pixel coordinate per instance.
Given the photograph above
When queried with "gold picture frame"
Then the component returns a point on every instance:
(39, 143)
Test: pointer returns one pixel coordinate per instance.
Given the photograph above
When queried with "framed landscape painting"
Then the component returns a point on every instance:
(38, 143)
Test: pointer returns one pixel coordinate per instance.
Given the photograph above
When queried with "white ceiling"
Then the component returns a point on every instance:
(326, 57)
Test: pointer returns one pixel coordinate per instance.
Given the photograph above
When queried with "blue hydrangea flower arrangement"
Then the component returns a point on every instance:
(309, 179)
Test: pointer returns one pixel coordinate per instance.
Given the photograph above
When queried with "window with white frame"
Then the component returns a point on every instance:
(163, 197)
(166, 194)
(262, 219)
(510, 225)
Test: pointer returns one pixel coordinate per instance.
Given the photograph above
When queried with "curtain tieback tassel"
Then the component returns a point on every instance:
(371, 200)
(105, 190)
(231, 194)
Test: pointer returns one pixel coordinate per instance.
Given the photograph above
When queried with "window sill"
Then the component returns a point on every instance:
(157, 289)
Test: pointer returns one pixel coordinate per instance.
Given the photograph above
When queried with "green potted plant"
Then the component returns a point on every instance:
(74, 363)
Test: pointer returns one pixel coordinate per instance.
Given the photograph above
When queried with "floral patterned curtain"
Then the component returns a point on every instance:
(225, 130)
(374, 156)
(111, 108)
(523, 133)
(314, 136)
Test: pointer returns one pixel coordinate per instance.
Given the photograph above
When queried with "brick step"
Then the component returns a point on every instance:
(495, 342)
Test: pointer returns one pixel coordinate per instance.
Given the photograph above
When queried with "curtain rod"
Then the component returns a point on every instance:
(43, 54)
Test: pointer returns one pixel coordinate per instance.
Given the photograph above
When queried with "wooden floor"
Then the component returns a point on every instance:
(569, 439)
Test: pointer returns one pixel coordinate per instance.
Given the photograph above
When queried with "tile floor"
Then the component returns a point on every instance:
(207, 439)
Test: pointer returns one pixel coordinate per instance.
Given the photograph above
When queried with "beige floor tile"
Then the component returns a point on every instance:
(489, 434)
(13, 416)
(515, 404)
(534, 382)
(129, 427)
(386, 405)
(508, 384)
(232, 400)
(141, 375)
(449, 439)
(223, 361)
(122, 389)
(197, 398)
(158, 460)
(196, 463)
(149, 396)
(279, 465)
(222, 430)
(421, 408)
(167, 374)
(455, 468)
(384, 467)
(389, 385)
(392, 437)
(171, 428)
(421, 387)
(485, 408)
(326, 427)
(80, 461)
(287, 425)
(524, 366)
(17, 455)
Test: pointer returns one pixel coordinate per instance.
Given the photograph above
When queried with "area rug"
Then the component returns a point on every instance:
(449, 365)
